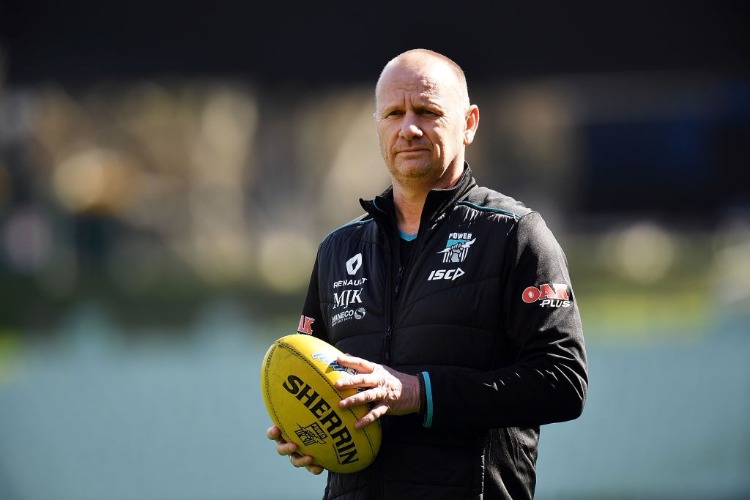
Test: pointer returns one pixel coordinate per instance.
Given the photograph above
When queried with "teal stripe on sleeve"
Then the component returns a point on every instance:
(428, 393)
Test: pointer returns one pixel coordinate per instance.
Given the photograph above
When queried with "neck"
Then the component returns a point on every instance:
(408, 209)
(409, 199)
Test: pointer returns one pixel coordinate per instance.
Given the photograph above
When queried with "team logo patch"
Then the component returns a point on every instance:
(353, 264)
(457, 247)
(548, 295)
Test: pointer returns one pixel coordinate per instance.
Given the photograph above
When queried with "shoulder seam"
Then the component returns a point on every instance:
(491, 209)
(355, 222)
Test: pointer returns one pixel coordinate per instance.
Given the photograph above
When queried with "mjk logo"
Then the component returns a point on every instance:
(353, 264)
(347, 297)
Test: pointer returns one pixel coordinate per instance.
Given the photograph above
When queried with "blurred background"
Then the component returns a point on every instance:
(167, 170)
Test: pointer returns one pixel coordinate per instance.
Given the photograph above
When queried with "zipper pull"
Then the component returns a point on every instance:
(399, 275)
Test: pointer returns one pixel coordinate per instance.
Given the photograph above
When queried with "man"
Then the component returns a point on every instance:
(456, 302)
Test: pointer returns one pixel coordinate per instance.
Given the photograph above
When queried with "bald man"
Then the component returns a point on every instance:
(468, 335)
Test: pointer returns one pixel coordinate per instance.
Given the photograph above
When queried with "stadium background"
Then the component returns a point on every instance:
(167, 169)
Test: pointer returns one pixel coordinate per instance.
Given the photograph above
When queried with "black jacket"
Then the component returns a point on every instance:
(483, 305)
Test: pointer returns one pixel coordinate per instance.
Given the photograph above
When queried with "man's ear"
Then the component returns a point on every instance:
(472, 123)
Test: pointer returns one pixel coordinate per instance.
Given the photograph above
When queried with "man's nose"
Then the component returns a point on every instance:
(410, 128)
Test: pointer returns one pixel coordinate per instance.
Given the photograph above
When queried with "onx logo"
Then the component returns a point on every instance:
(353, 264)
(549, 295)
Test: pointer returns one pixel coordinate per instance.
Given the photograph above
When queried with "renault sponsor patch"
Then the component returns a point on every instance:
(348, 293)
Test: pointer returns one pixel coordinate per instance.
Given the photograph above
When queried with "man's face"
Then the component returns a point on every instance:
(421, 122)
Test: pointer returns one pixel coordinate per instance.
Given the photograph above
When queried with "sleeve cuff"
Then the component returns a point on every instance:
(427, 422)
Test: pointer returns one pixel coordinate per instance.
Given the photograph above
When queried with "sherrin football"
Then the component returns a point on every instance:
(297, 379)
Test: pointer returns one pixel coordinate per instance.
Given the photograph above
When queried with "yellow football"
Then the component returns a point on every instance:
(297, 381)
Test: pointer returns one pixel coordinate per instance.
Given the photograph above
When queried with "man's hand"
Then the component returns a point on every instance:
(393, 392)
(290, 449)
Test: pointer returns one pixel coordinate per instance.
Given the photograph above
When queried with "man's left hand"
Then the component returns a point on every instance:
(392, 392)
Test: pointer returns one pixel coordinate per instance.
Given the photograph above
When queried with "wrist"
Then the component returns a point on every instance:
(426, 397)
(422, 407)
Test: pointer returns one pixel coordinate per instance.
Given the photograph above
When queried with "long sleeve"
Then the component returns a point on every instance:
(547, 379)
(311, 319)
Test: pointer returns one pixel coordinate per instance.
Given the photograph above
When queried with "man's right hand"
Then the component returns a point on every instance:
(290, 450)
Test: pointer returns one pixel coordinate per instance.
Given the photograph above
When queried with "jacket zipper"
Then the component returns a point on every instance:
(391, 319)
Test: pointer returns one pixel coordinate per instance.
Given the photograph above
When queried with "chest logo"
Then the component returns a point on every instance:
(353, 264)
(457, 247)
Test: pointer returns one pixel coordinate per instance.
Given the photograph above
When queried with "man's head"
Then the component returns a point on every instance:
(424, 119)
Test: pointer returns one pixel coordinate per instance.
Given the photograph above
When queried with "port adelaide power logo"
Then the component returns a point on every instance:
(347, 293)
(457, 247)
(456, 250)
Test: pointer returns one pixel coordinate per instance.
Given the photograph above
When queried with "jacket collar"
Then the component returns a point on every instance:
(438, 200)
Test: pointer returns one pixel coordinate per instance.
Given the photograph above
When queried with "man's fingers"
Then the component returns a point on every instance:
(359, 380)
(364, 397)
(315, 469)
(398, 392)
(298, 460)
(372, 416)
(282, 447)
(273, 433)
(305, 461)
(285, 448)
(359, 364)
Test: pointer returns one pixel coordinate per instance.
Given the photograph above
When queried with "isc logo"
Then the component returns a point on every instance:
(445, 274)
